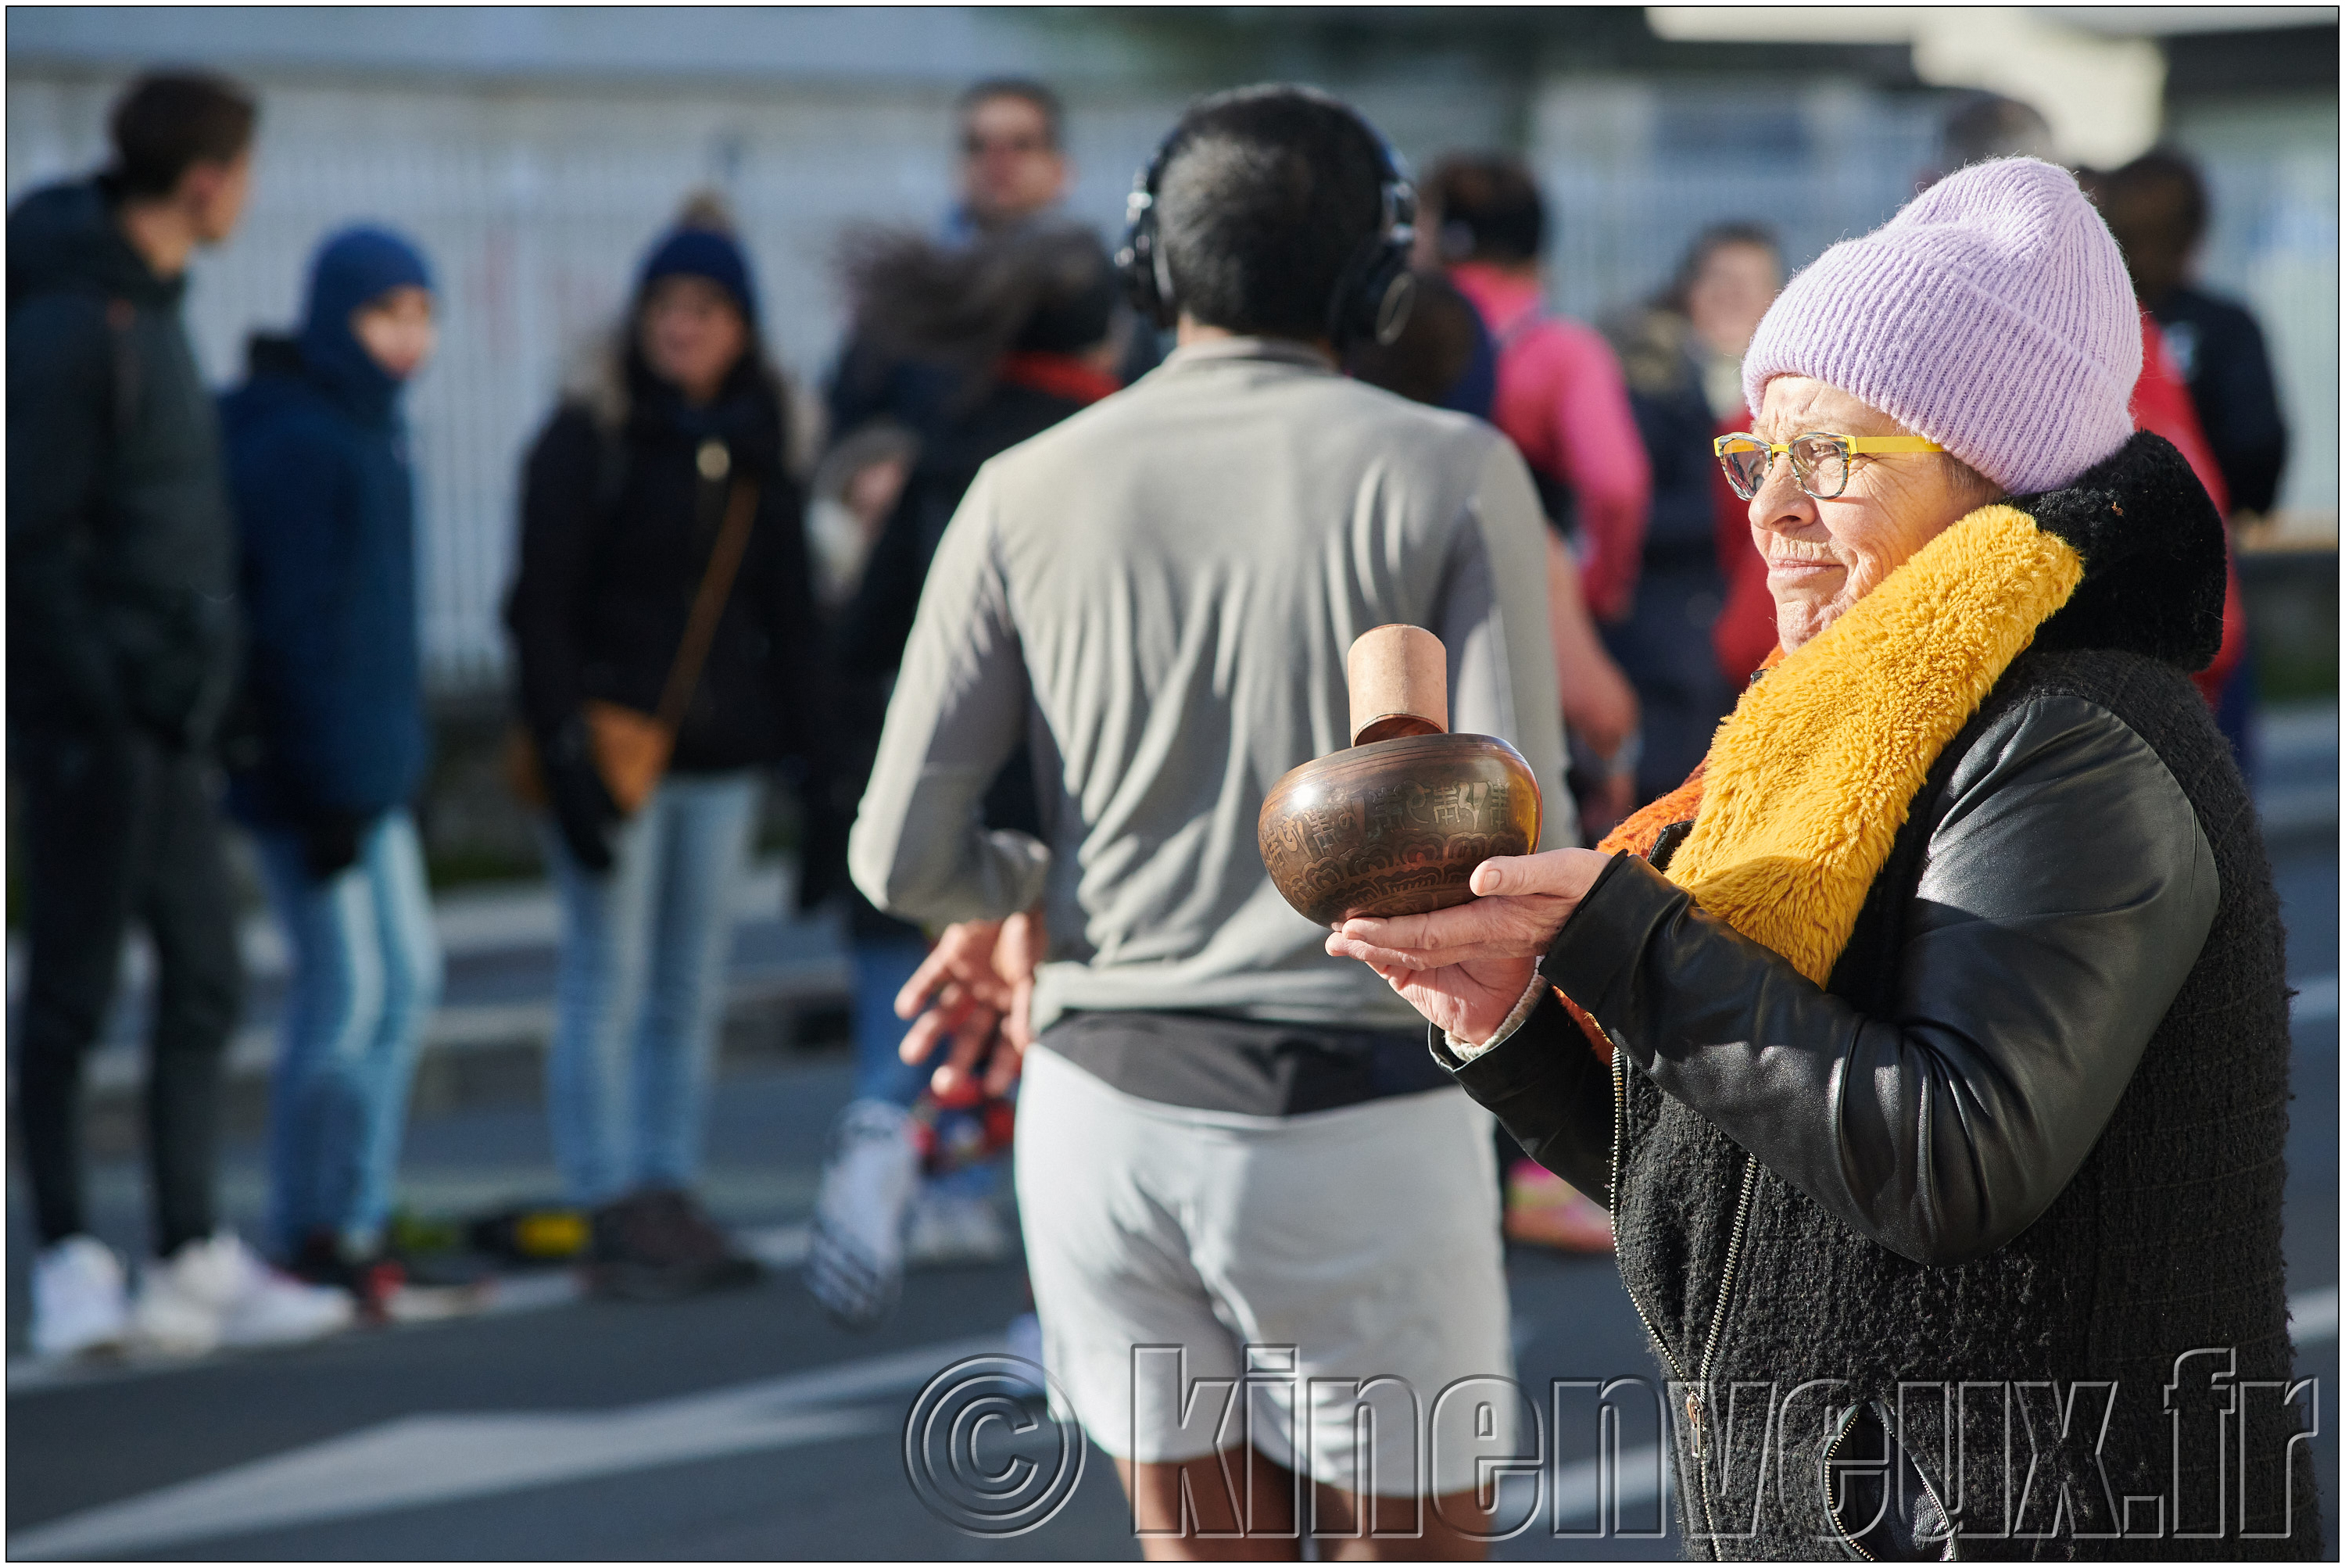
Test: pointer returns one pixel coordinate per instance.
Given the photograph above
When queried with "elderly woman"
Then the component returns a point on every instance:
(1929, 1044)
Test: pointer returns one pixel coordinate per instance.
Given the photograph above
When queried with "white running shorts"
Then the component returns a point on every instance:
(1201, 1273)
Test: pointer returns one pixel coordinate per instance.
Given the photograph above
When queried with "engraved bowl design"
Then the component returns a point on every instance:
(1396, 826)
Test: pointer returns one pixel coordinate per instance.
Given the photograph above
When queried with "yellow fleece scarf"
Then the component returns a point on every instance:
(1812, 776)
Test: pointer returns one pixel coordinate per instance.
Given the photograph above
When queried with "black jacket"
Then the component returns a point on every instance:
(1663, 645)
(877, 620)
(121, 555)
(618, 520)
(876, 623)
(2029, 1134)
(2221, 351)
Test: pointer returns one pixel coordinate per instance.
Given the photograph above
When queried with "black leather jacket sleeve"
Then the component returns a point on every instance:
(2066, 891)
(1549, 1090)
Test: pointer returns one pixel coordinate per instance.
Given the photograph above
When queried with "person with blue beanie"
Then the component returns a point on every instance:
(658, 516)
(334, 740)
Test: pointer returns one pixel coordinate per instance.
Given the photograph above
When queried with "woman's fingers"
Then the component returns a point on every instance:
(1502, 875)
(1381, 958)
(1565, 874)
(1487, 928)
(1460, 926)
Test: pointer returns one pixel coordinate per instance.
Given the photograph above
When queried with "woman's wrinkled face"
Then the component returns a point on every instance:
(1824, 556)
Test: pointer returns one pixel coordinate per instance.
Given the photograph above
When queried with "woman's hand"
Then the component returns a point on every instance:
(1465, 968)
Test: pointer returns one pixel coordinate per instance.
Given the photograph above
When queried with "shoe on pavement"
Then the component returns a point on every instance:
(370, 1278)
(217, 1292)
(659, 1245)
(949, 1227)
(80, 1301)
(1545, 1210)
(855, 1254)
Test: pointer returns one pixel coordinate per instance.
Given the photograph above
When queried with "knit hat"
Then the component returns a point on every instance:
(691, 250)
(1993, 315)
(353, 268)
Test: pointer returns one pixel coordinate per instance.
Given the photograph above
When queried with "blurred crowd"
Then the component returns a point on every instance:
(707, 601)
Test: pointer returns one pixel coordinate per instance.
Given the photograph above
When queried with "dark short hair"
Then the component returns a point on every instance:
(1489, 207)
(1026, 90)
(1988, 125)
(168, 121)
(2158, 199)
(1267, 196)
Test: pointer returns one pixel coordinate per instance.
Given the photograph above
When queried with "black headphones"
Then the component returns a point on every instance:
(1373, 293)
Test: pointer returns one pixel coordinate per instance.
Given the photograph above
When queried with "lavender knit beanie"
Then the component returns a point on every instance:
(1993, 315)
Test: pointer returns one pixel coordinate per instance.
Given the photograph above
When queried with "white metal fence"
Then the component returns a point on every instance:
(536, 201)
(535, 208)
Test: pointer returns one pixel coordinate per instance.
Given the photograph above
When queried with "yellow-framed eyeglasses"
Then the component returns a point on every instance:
(1819, 458)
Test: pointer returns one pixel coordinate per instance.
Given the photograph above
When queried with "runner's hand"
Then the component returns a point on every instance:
(974, 988)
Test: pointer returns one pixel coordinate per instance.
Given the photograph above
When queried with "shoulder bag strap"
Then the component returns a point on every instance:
(708, 605)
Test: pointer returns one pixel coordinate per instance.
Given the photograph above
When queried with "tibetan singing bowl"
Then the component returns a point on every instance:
(1396, 826)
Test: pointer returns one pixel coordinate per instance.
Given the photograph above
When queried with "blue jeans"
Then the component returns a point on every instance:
(366, 975)
(639, 989)
(881, 968)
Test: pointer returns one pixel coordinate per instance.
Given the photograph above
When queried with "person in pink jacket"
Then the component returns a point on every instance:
(1560, 396)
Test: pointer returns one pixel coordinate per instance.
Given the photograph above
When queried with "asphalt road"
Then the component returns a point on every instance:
(747, 1426)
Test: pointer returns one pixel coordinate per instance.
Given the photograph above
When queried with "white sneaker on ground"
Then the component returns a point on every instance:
(949, 1227)
(217, 1292)
(855, 1257)
(79, 1299)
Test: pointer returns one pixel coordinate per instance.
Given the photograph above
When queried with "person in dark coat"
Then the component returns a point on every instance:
(325, 505)
(1929, 1044)
(1022, 323)
(1683, 355)
(623, 496)
(121, 644)
(2156, 207)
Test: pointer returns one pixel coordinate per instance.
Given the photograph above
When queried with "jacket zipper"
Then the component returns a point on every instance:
(1944, 1519)
(1929, 1489)
(1693, 1406)
(1832, 1453)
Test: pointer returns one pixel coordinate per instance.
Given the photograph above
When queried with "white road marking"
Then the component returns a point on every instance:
(426, 1458)
(2315, 999)
(421, 1460)
(2313, 1316)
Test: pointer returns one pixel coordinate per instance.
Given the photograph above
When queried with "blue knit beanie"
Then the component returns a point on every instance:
(690, 251)
(353, 268)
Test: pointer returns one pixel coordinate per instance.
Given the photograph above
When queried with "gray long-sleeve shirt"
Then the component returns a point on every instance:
(1158, 594)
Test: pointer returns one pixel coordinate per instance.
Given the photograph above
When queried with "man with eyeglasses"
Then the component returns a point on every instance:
(888, 405)
(1013, 170)
(1012, 164)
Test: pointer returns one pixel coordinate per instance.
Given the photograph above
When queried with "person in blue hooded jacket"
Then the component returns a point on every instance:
(336, 741)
